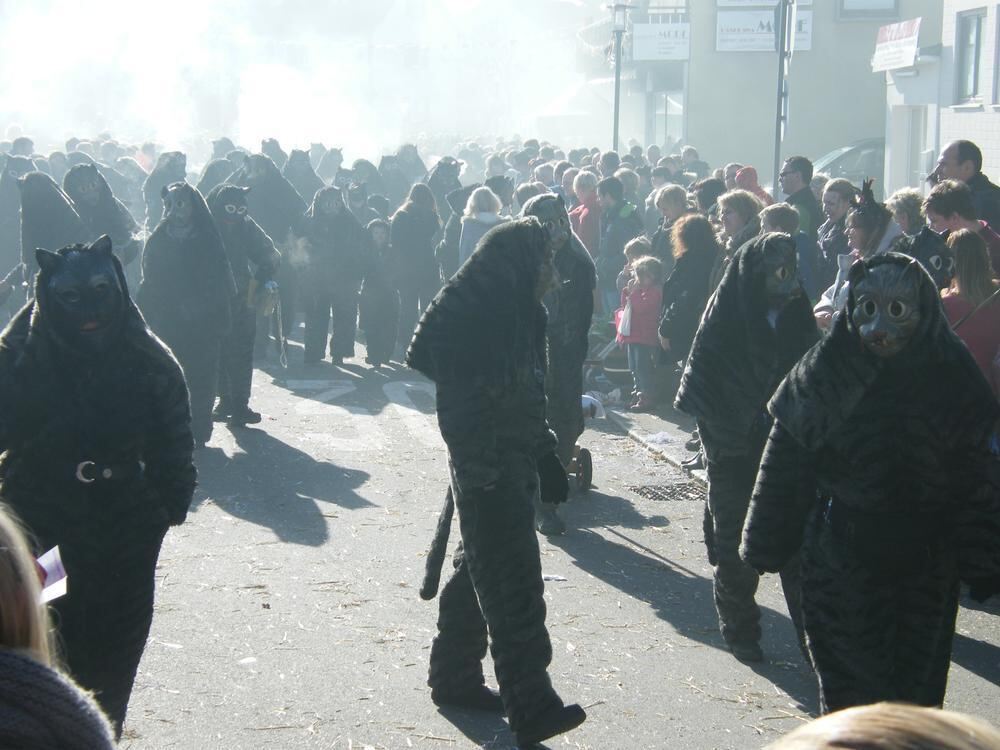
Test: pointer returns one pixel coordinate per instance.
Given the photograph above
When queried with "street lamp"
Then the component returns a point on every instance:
(619, 18)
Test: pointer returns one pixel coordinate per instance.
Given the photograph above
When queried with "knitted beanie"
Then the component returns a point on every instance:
(41, 709)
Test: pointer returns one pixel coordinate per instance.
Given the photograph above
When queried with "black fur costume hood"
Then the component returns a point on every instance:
(48, 219)
(487, 324)
(736, 359)
(109, 216)
(823, 390)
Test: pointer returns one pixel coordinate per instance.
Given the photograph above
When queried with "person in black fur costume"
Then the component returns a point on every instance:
(877, 466)
(277, 208)
(254, 262)
(756, 326)
(171, 167)
(96, 440)
(187, 293)
(48, 220)
(379, 302)
(336, 246)
(300, 173)
(570, 309)
(447, 251)
(14, 168)
(482, 342)
(214, 174)
(101, 212)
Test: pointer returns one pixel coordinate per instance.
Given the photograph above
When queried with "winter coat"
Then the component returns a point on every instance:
(980, 332)
(685, 294)
(810, 213)
(618, 225)
(586, 221)
(473, 229)
(832, 239)
(835, 297)
(646, 304)
(986, 200)
(412, 233)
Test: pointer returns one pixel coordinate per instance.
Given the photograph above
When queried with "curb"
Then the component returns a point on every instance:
(641, 437)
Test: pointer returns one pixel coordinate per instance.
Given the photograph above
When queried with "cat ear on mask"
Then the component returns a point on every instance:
(913, 273)
(244, 189)
(47, 260)
(102, 245)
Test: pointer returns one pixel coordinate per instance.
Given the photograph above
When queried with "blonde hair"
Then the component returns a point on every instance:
(637, 247)
(648, 267)
(24, 622)
(743, 202)
(671, 194)
(892, 726)
(482, 200)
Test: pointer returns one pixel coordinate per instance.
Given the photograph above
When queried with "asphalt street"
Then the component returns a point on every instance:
(287, 613)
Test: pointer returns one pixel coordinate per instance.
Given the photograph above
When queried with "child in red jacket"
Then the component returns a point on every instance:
(638, 325)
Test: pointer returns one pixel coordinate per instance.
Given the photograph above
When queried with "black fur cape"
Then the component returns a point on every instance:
(904, 438)
(299, 172)
(245, 241)
(187, 284)
(60, 406)
(48, 219)
(737, 360)
(273, 203)
(109, 216)
(486, 324)
(213, 174)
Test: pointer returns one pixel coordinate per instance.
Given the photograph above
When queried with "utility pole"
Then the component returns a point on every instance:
(620, 12)
(783, 38)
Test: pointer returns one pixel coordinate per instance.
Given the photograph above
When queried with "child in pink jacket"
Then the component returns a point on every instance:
(642, 299)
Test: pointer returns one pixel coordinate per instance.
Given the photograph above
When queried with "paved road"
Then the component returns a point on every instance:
(287, 612)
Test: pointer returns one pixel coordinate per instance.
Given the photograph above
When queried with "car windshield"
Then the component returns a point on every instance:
(824, 161)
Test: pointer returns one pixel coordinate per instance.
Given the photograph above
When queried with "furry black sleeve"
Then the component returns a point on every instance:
(782, 498)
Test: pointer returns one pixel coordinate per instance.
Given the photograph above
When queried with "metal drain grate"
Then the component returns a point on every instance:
(680, 492)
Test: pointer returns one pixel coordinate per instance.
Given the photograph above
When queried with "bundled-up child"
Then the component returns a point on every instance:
(638, 323)
(379, 298)
(637, 248)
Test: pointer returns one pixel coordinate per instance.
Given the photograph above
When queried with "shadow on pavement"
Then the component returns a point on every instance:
(979, 657)
(277, 486)
(676, 593)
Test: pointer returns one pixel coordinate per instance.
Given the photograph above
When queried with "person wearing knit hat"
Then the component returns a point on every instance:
(746, 179)
(39, 707)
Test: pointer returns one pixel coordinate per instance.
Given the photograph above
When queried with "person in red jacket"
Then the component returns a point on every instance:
(638, 325)
(586, 217)
(968, 301)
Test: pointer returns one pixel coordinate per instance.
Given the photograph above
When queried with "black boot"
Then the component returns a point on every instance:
(244, 416)
(480, 698)
(549, 724)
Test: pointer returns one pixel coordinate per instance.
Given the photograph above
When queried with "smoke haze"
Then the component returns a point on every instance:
(362, 75)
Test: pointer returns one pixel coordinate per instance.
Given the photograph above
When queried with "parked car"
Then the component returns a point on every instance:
(856, 163)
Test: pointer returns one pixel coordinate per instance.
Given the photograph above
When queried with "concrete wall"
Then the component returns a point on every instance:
(978, 123)
(835, 97)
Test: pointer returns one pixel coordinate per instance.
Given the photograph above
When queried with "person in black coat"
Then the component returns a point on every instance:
(300, 173)
(570, 309)
(14, 167)
(48, 220)
(758, 323)
(686, 290)
(171, 166)
(214, 173)
(186, 295)
(97, 456)
(443, 179)
(482, 342)
(379, 308)
(878, 468)
(336, 248)
(101, 212)
(413, 229)
(277, 208)
(254, 262)
(447, 251)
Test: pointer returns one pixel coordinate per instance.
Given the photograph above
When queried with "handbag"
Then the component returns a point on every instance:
(625, 320)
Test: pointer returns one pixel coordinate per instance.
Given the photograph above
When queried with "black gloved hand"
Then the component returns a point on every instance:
(552, 479)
